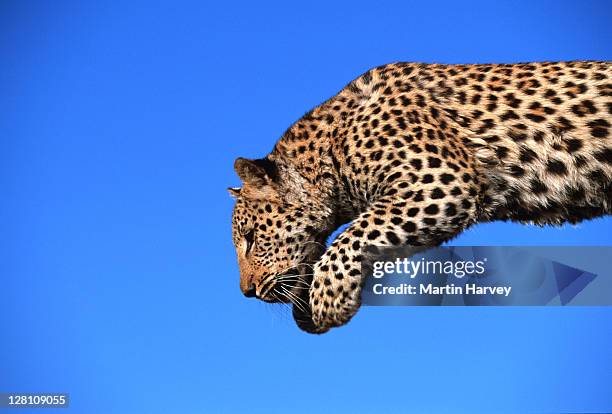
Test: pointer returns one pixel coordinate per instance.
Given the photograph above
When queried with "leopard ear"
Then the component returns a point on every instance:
(234, 191)
(256, 173)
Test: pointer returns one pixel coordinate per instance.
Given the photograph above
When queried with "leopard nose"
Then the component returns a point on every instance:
(250, 291)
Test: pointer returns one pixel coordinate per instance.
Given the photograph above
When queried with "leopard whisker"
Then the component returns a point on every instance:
(293, 300)
(294, 281)
(296, 276)
(297, 301)
(298, 283)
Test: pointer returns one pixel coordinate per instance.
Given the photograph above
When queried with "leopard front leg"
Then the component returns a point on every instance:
(335, 293)
(424, 217)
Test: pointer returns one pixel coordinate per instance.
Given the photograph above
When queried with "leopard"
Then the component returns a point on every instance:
(412, 154)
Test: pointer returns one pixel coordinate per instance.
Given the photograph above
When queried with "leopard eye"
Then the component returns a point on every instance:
(250, 238)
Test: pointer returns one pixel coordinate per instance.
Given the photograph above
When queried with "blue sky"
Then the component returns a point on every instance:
(118, 280)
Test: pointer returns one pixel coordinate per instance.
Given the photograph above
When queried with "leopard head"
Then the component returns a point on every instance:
(279, 228)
